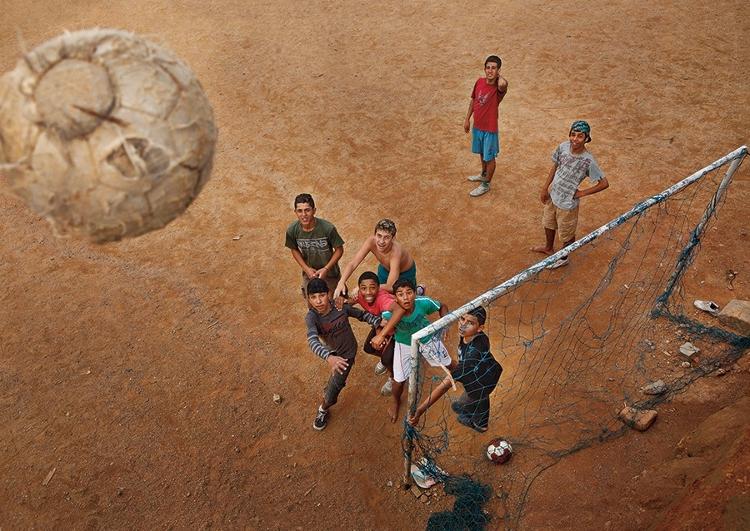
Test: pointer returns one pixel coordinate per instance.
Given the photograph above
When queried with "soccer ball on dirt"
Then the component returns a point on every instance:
(499, 451)
(104, 134)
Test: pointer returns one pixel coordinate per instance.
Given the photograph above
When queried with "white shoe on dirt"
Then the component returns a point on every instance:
(380, 368)
(482, 189)
(476, 178)
(387, 388)
(707, 306)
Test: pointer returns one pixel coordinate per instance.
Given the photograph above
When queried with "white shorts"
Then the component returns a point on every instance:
(433, 351)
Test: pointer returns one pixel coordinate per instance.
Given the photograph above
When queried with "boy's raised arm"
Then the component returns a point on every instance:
(352, 265)
(502, 89)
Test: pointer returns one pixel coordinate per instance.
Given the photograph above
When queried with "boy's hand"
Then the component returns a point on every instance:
(337, 364)
(322, 272)
(378, 341)
(467, 125)
(544, 196)
(339, 291)
(339, 302)
(414, 417)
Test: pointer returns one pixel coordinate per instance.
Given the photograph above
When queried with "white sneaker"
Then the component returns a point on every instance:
(476, 178)
(707, 306)
(482, 189)
(387, 388)
(380, 368)
(558, 263)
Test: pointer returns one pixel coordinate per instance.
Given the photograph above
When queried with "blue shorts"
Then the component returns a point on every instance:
(485, 143)
(410, 274)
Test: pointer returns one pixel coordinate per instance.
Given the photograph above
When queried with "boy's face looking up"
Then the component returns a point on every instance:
(305, 213)
(383, 240)
(468, 325)
(320, 302)
(577, 141)
(369, 290)
(405, 297)
(491, 71)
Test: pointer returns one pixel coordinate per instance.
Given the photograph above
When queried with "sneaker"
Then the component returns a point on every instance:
(321, 419)
(707, 306)
(558, 263)
(480, 190)
(387, 389)
(477, 178)
(421, 290)
(380, 368)
(466, 421)
(457, 407)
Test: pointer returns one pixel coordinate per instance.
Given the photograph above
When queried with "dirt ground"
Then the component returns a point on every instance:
(142, 372)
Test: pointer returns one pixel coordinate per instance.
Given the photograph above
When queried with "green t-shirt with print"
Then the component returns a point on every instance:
(317, 245)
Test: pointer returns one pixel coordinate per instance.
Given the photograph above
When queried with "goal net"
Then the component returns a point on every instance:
(576, 344)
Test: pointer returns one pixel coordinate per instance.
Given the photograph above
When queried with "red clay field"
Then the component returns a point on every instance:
(137, 378)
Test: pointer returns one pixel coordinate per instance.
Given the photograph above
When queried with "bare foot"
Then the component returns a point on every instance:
(393, 411)
(542, 249)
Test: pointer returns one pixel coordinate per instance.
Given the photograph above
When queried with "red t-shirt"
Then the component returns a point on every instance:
(382, 302)
(485, 98)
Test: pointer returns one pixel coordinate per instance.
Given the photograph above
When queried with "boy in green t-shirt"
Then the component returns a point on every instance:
(315, 244)
(416, 310)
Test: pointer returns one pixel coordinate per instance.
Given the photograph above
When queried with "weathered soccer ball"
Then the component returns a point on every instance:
(499, 451)
(104, 134)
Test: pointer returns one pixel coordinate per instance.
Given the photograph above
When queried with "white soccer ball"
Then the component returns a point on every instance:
(104, 134)
(499, 451)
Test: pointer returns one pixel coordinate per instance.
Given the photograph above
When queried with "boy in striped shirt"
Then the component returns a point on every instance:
(338, 346)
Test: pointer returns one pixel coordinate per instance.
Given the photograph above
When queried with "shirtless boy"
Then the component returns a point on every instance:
(395, 262)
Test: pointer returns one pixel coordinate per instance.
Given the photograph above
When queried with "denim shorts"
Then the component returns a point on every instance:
(485, 143)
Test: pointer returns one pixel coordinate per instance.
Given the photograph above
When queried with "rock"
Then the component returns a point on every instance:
(390, 483)
(736, 315)
(721, 372)
(685, 364)
(639, 419)
(656, 388)
(277, 398)
(688, 350)
(416, 491)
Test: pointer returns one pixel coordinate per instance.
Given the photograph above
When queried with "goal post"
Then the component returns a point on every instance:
(733, 160)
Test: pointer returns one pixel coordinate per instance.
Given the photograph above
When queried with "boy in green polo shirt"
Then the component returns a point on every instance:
(416, 310)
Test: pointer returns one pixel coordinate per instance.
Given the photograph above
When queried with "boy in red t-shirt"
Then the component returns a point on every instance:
(486, 96)
(375, 301)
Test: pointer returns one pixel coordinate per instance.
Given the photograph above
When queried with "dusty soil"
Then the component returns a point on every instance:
(142, 373)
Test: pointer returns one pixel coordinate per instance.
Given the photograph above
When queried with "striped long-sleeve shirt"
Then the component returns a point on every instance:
(334, 329)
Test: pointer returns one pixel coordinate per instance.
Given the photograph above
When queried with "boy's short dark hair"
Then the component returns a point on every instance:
(404, 282)
(480, 313)
(494, 59)
(368, 275)
(386, 225)
(317, 285)
(304, 198)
